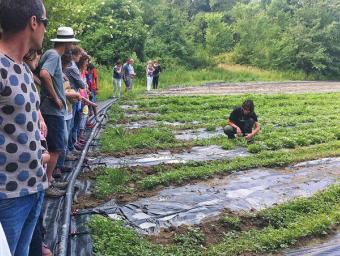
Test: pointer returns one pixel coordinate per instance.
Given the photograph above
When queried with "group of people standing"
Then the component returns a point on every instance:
(127, 73)
(45, 101)
(153, 71)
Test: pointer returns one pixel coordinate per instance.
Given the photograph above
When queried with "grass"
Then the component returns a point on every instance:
(288, 121)
(186, 173)
(145, 138)
(288, 224)
(183, 77)
(111, 181)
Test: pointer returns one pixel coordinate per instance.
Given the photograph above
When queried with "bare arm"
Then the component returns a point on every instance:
(48, 84)
(238, 130)
(257, 129)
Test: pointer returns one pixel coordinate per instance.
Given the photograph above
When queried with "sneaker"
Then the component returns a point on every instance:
(54, 192)
(251, 141)
(89, 125)
(59, 184)
(66, 169)
(78, 147)
(56, 173)
(71, 156)
(81, 142)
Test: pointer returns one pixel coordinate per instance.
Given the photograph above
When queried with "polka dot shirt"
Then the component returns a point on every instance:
(21, 170)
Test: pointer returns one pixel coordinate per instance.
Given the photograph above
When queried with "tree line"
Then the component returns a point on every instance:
(297, 35)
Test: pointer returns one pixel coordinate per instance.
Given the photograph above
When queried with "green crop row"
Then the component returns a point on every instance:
(288, 223)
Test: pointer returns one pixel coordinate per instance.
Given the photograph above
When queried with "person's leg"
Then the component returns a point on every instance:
(156, 82)
(94, 96)
(115, 85)
(30, 223)
(148, 83)
(55, 141)
(61, 159)
(75, 129)
(119, 87)
(37, 240)
(229, 131)
(18, 217)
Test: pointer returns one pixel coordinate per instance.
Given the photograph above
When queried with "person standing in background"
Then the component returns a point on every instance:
(156, 73)
(117, 79)
(149, 76)
(129, 74)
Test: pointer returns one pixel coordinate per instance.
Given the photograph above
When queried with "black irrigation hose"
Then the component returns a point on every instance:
(65, 228)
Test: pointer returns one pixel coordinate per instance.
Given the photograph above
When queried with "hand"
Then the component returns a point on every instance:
(59, 103)
(238, 131)
(249, 136)
(43, 127)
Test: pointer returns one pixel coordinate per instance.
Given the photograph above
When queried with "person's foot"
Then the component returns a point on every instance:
(45, 250)
(89, 125)
(54, 192)
(61, 185)
(71, 156)
(78, 146)
(66, 169)
(56, 173)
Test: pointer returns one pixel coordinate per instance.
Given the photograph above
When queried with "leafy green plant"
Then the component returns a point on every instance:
(111, 181)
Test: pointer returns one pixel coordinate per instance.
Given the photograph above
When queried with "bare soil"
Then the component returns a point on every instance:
(212, 229)
(256, 87)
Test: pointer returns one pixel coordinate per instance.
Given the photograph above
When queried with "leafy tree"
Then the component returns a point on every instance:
(116, 30)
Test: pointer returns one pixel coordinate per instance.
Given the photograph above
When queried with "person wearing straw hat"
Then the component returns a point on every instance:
(53, 102)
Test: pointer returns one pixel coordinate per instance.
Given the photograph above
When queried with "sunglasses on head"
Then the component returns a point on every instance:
(44, 21)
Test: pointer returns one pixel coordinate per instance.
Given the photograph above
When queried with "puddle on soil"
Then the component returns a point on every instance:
(198, 134)
(244, 191)
(197, 154)
(128, 107)
(140, 114)
(331, 247)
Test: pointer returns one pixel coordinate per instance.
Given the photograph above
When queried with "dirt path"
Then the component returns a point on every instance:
(256, 87)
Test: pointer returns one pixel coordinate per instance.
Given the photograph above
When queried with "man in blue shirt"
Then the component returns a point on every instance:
(129, 74)
(53, 105)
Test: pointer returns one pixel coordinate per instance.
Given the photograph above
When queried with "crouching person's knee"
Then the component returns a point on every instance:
(229, 131)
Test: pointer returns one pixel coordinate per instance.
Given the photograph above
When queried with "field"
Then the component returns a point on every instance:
(295, 128)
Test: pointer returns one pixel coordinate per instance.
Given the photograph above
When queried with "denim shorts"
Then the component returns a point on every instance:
(55, 133)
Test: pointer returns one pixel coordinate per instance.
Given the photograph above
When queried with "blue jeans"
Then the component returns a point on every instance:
(62, 156)
(18, 217)
(74, 127)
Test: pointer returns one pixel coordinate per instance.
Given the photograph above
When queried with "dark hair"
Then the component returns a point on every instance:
(82, 59)
(77, 51)
(248, 105)
(15, 14)
(66, 59)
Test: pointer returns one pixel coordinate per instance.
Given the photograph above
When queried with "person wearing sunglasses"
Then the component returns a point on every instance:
(22, 177)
